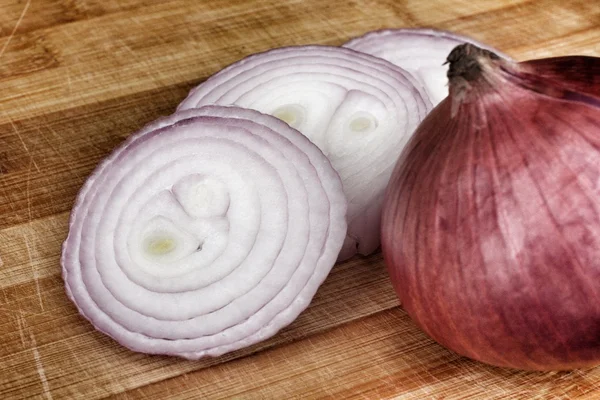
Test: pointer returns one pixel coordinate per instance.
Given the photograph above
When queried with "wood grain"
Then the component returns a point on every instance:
(78, 76)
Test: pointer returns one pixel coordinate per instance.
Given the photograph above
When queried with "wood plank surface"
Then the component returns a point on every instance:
(78, 76)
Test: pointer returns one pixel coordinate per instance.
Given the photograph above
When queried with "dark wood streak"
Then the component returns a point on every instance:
(49, 13)
(26, 54)
(45, 159)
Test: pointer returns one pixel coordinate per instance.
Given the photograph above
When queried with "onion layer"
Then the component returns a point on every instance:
(359, 110)
(491, 226)
(421, 52)
(205, 232)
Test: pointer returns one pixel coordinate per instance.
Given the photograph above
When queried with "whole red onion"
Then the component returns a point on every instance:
(491, 221)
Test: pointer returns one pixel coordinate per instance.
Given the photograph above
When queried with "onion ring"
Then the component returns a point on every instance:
(205, 232)
(358, 109)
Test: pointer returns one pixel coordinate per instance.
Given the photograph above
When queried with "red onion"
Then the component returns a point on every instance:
(491, 222)
(205, 232)
(359, 110)
(419, 51)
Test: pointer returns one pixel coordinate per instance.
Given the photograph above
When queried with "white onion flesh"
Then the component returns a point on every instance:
(205, 232)
(422, 52)
(358, 109)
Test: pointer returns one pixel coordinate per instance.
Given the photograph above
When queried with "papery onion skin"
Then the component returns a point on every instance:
(491, 221)
(263, 202)
(577, 73)
(334, 86)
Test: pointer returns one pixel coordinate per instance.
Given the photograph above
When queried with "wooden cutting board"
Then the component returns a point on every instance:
(78, 76)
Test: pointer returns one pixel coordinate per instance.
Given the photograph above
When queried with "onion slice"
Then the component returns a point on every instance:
(205, 232)
(422, 52)
(358, 109)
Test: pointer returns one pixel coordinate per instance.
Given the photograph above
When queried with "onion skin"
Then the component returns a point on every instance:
(491, 220)
(579, 73)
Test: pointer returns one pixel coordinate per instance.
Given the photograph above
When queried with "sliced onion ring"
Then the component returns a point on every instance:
(422, 52)
(205, 232)
(358, 109)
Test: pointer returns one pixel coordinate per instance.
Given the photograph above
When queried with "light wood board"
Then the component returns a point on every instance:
(78, 76)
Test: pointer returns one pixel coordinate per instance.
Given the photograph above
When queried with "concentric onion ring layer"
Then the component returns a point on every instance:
(359, 110)
(206, 232)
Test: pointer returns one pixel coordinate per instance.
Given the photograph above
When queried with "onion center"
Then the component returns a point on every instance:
(202, 196)
(362, 122)
(291, 114)
(160, 245)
